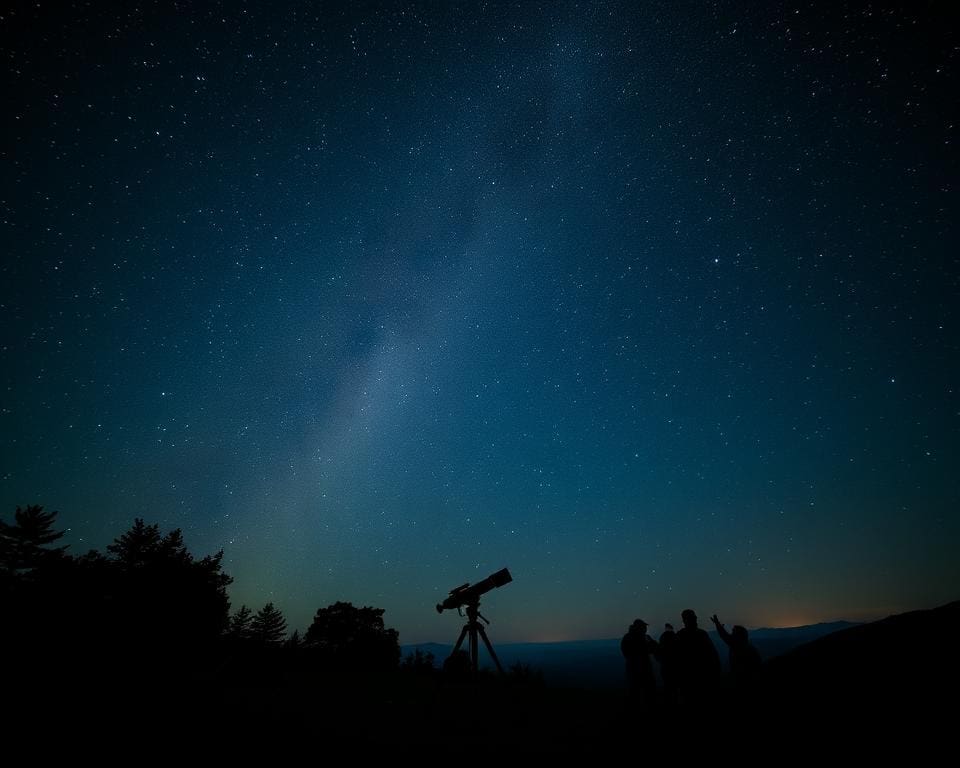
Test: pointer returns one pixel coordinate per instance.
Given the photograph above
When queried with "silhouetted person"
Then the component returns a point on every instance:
(745, 661)
(637, 647)
(669, 672)
(698, 663)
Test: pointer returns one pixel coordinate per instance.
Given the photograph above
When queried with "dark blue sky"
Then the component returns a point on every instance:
(654, 304)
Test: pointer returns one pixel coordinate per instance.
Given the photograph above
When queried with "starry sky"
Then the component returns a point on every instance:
(654, 304)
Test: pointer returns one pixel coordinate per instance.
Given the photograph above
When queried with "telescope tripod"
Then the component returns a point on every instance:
(473, 627)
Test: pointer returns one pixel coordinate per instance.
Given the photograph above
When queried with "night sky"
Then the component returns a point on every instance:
(654, 304)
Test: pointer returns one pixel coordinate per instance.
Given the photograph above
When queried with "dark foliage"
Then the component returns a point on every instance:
(147, 614)
(525, 675)
(268, 626)
(164, 595)
(355, 637)
(25, 545)
(238, 629)
(420, 662)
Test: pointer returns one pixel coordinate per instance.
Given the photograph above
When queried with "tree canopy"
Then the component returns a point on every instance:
(146, 611)
(355, 635)
(165, 593)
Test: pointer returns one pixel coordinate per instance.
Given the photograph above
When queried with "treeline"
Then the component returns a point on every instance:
(148, 615)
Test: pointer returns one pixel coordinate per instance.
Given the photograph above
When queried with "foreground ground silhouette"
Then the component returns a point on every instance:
(886, 685)
(873, 688)
(137, 646)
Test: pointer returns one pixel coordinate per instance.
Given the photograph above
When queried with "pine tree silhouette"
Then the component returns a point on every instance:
(25, 545)
(239, 628)
(268, 626)
(294, 642)
(38, 597)
(161, 596)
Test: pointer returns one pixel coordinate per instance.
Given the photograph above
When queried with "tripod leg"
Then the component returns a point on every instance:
(474, 656)
(486, 642)
(463, 634)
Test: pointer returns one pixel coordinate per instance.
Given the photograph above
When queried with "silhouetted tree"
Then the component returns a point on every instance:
(146, 613)
(143, 546)
(420, 662)
(294, 642)
(37, 600)
(162, 597)
(239, 628)
(355, 636)
(25, 545)
(268, 626)
(520, 674)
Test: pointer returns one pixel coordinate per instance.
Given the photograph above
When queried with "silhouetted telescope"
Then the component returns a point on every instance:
(466, 594)
(469, 595)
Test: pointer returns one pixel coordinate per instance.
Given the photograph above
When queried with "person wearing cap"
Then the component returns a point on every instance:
(637, 648)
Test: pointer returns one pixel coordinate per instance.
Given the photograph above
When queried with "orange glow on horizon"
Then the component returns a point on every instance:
(803, 618)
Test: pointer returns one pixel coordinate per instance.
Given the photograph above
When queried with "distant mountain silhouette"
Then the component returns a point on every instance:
(775, 641)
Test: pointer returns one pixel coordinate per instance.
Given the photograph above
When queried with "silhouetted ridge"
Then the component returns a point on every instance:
(899, 667)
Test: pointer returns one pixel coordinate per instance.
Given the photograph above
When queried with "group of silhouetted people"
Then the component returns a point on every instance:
(689, 664)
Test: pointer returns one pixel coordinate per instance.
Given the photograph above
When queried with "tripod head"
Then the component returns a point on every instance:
(473, 612)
